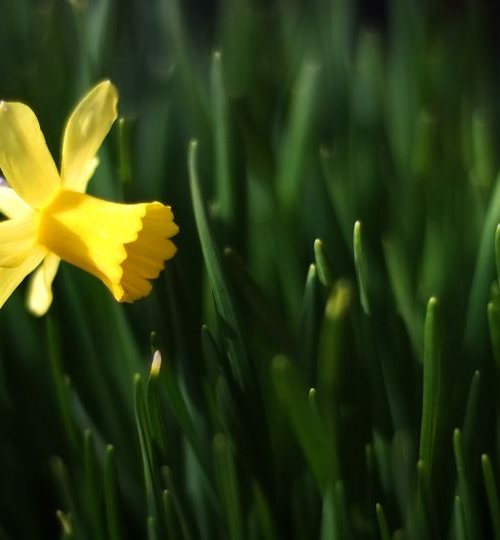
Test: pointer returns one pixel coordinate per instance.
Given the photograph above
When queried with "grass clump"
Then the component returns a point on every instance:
(321, 359)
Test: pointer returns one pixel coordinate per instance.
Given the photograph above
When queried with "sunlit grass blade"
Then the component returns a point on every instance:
(324, 264)
(459, 519)
(361, 268)
(492, 494)
(155, 418)
(382, 522)
(330, 345)
(66, 525)
(152, 528)
(467, 496)
(432, 381)
(329, 525)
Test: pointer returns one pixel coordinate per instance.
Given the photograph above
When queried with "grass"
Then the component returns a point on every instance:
(321, 358)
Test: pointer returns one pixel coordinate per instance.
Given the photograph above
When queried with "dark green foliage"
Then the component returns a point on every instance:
(325, 360)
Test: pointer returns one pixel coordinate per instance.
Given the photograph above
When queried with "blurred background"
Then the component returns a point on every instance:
(308, 387)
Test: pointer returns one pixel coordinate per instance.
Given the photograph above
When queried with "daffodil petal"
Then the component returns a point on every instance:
(124, 245)
(39, 296)
(17, 239)
(81, 184)
(11, 205)
(87, 127)
(10, 278)
(24, 157)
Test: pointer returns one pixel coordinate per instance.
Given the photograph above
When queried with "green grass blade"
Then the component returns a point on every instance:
(263, 310)
(93, 487)
(224, 183)
(492, 494)
(459, 520)
(150, 479)
(361, 267)
(124, 150)
(227, 482)
(181, 411)
(231, 327)
(382, 523)
(471, 438)
(306, 426)
(186, 532)
(267, 530)
(292, 152)
(310, 323)
(155, 418)
(494, 325)
(432, 367)
(66, 525)
(114, 526)
(324, 264)
(61, 386)
(169, 515)
(470, 510)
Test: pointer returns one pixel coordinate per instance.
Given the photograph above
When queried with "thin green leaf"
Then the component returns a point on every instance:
(361, 267)
(470, 510)
(492, 494)
(432, 380)
(223, 182)
(227, 482)
(231, 327)
(324, 264)
(382, 523)
(114, 522)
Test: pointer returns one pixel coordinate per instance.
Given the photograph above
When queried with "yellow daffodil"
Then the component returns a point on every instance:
(51, 218)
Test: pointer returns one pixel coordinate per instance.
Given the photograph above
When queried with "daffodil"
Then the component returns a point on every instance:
(50, 217)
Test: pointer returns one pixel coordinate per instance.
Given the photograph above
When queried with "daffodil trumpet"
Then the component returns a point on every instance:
(50, 217)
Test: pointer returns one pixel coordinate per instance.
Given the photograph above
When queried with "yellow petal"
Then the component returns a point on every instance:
(147, 254)
(17, 239)
(87, 126)
(40, 287)
(24, 157)
(81, 184)
(10, 278)
(11, 205)
(124, 245)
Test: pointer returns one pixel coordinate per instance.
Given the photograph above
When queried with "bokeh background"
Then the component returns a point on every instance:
(319, 379)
